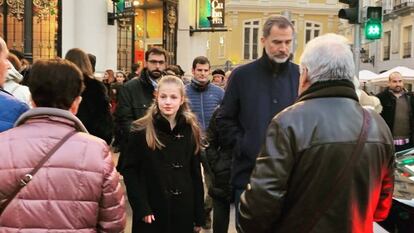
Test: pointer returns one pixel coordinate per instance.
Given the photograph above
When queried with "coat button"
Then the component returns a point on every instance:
(176, 165)
(175, 192)
(275, 101)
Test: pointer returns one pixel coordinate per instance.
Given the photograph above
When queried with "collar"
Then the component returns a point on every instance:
(163, 124)
(198, 86)
(147, 80)
(271, 65)
(53, 114)
(331, 88)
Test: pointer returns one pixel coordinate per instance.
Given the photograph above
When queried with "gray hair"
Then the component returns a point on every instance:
(279, 21)
(328, 57)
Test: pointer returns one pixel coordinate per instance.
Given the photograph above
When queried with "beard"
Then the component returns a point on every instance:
(155, 74)
(397, 90)
(279, 59)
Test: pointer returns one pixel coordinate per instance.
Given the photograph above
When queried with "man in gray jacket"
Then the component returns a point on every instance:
(310, 176)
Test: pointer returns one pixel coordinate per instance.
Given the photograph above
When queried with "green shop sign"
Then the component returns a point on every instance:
(210, 13)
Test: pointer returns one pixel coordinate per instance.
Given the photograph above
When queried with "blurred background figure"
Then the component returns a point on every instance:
(10, 107)
(135, 71)
(116, 86)
(174, 70)
(77, 189)
(218, 77)
(13, 86)
(108, 79)
(94, 110)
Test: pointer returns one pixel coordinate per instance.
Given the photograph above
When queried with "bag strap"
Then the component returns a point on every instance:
(342, 174)
(29, 176)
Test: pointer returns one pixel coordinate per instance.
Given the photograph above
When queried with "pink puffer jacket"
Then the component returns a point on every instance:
(77, 189)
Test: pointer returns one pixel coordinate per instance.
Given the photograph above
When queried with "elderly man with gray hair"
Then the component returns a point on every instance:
(327, 163)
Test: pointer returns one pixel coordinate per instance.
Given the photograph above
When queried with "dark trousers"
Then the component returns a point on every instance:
(221, 216)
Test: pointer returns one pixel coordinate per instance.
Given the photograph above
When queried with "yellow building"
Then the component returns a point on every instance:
(244, 20)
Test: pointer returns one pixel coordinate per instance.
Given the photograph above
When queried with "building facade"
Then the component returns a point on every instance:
(244, 20)
(395, 47)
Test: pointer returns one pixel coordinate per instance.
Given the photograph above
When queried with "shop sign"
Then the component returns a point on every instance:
(210, 13)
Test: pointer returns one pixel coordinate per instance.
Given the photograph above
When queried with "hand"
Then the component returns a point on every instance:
(197, 229)
(148, 219)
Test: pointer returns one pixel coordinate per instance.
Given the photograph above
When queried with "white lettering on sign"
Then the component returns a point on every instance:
(217, 11)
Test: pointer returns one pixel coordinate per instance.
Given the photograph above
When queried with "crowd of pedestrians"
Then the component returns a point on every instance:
(296, 148)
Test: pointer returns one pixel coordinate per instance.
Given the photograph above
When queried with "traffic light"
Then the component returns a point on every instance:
(373, 25)
(351, 13)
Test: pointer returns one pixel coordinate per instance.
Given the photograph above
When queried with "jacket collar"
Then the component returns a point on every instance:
(146, 80)
(198, 86)
(53, 114)
(272, 66)
(332, 88)
(163, 125)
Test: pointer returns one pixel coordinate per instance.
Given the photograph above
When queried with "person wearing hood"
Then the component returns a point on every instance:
(13, 86)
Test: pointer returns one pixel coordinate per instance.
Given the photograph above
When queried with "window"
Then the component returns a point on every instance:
(386, 46)
(221, 47)
(312, 30)
(250, 39)
(407, 42)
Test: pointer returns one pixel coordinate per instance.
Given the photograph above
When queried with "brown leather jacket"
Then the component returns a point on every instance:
(306, 146)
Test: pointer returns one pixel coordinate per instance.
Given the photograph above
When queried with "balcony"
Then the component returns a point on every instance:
(407, 50)
(403, 7)
(386, 53)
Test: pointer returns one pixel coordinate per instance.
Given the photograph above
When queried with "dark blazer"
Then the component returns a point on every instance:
(388, 102)
(94, 109)
(255, 94)
(166, 183)
(306, 147)
(134, 99)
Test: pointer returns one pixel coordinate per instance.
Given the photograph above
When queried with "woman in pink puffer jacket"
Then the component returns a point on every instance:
(77, 189)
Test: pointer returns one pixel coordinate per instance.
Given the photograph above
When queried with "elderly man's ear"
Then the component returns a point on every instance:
(304, 82)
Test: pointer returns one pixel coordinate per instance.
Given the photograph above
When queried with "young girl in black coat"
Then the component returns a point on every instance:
(162, 167)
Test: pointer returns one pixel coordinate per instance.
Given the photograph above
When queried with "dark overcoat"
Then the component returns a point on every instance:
(166, 183)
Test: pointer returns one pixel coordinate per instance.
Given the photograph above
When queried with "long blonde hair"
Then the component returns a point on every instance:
(147, 121)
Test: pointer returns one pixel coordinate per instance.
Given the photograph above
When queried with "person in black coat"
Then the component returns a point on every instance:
(94, 110)
(136, 96)
(162, 165)
(219, 158)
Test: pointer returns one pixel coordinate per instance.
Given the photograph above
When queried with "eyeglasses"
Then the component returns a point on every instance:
(154, 62)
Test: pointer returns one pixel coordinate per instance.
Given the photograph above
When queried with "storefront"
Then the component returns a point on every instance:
(143, 24)
(32, 27)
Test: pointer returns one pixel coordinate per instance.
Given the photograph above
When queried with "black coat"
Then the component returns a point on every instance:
(219, 158)
(134, 99)
(94, 109)
(388, 102)
(255, 94)
(166, 183)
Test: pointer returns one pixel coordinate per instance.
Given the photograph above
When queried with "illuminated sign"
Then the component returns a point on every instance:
(210, 13)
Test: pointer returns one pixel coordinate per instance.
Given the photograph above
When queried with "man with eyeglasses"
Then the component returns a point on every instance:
(136, 96)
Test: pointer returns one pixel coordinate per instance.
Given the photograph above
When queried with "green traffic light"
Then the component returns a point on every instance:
(373, 29)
